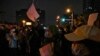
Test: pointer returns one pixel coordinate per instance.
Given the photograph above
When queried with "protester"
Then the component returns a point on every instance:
(34, 41)
(22, 42)
(4, 44)
(86, 38)
(12, 38)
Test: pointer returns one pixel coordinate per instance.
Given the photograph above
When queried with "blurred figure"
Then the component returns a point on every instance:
(34, 40)
(65, 45)
(4, 44)
(78, 21)
(12, 38)
(23, 42)
(55, 36)
(86, 38)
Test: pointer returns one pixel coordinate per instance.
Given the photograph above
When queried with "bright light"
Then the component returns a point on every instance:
(63, 19)
(44, 27)
(28, 23)
(23, 21)
(68, 10)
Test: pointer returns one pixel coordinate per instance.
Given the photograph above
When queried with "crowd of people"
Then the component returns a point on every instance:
(26, 41)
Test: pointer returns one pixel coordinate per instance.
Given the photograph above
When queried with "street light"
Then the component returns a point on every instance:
(23, 21)
(69, 10)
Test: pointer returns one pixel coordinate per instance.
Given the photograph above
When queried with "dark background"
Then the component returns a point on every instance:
(52, 8)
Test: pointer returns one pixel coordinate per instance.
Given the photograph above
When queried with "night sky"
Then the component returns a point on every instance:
(51, 7)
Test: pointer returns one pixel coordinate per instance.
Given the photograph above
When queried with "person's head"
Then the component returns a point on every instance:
(48, 33)
(12, 32)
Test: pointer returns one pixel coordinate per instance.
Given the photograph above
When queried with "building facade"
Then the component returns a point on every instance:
(91, 5)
